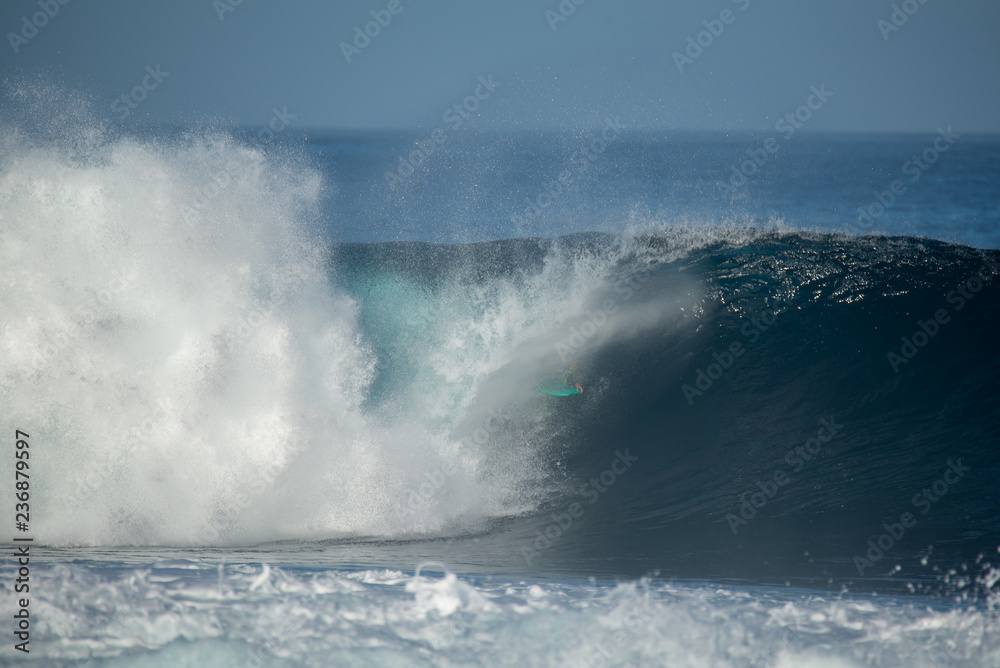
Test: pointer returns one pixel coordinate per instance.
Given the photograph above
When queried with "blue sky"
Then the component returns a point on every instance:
(226, 63)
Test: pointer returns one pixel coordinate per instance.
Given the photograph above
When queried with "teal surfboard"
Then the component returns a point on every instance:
(563, 391)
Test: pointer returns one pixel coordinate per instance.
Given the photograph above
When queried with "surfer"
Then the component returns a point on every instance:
(567, 388)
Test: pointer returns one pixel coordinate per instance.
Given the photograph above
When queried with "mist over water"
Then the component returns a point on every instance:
(176, 337)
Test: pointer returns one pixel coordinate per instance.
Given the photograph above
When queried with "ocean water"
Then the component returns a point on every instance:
(280, 396)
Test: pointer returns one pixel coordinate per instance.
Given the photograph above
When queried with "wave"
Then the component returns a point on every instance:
(766, 405)
(197, 368)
